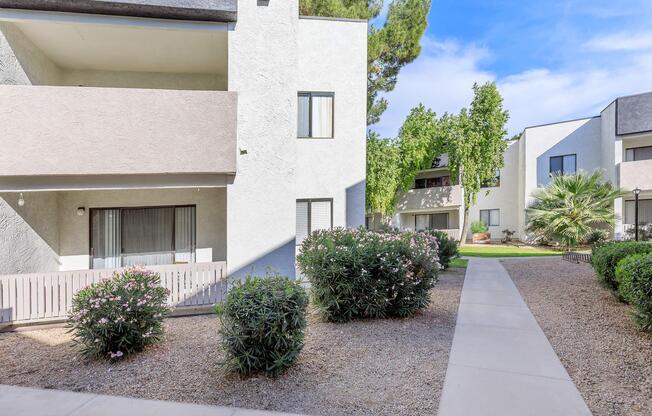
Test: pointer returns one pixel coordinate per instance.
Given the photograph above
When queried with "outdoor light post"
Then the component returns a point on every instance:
(636, 192)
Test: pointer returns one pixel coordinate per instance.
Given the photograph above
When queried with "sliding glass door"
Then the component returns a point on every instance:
(145, 236)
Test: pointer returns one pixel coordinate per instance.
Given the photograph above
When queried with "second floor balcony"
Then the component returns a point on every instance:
(636, 174)
(80, 137)
(416, 200)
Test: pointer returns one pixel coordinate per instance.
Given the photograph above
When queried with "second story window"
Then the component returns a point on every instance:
(638, 153)
(493, 182)
(565, 165)
(315, 115)
(432, 182)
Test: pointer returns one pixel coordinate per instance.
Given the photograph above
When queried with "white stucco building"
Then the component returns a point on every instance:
(163, 131)
(618, 142)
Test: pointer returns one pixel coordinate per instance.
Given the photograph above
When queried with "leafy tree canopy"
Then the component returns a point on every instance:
(390, 47)
(382, 174)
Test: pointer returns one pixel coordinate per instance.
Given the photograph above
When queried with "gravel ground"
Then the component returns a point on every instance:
(381, 367)
(609, 360)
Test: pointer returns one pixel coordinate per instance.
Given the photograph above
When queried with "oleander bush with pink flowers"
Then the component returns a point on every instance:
(119, 316)
(356, 273)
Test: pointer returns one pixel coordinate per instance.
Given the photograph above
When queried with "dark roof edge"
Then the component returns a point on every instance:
(156, 9)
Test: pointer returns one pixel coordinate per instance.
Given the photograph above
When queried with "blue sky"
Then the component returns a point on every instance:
(551, 59)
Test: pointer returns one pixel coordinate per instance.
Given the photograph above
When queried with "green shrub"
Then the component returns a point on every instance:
(363, 274)
(262, 324)
(119, 316)
(478, 227)
(447, 249)
(634, 276)
(597, 237)
(607, 256)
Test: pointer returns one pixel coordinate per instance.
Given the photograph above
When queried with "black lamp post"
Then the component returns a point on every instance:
(636, 193)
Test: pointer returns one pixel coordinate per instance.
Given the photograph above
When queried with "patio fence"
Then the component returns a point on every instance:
(47, 297)
(574, 257)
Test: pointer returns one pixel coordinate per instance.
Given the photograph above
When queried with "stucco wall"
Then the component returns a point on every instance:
(21, 62)
(503, 197)
(333, 58)
(29, 235)
(74, 229)
(165, 131)
(263, 67)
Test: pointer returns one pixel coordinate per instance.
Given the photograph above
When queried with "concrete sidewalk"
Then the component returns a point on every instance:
(501, 362)
(24, 401)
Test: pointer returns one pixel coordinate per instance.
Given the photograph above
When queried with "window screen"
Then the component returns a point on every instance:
(303, 122)
(439, 221)
(312, 215)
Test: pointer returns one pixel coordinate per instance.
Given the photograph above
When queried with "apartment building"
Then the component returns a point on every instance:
(166, 132)
(618, 141)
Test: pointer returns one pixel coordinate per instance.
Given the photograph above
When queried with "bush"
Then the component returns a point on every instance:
(447, 249)
(607, 256)
(363, 274)
(119, 316)
(634, 276)
(597, 237)
(262, 324)
(644, 232)
(478, 227)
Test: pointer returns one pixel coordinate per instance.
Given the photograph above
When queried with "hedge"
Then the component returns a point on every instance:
(634, 277)
(606, 257)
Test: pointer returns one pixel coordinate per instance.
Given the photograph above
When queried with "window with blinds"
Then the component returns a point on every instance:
(315, 115)
(312, 215)
(145, 236)
(644, 211)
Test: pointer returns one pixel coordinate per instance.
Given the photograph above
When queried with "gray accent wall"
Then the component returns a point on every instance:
(634, 114)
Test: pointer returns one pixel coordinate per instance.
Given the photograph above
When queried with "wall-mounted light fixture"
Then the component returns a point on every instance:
(81, 211)
(21, 200)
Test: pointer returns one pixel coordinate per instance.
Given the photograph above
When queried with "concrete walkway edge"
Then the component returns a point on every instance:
(26, 401)
(501, 362)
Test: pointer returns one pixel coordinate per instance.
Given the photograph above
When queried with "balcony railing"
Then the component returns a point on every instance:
(636, 174)
(47, 297)
(416, 200)
(55, 135)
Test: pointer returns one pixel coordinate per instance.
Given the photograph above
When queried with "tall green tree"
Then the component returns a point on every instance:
(382, 175)
(417, 145)
(475, 143)
(390, 47)
(570, 207)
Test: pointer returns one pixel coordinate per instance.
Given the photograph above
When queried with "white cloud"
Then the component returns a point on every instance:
(443, 76)
(623, 41)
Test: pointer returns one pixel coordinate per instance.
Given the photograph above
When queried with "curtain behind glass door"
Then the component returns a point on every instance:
(147, 236)
(105, 238)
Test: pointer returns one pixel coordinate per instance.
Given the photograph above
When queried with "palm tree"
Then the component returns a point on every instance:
(571, 206)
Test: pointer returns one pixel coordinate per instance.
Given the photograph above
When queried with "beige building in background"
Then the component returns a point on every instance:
(162, 132)
(618, 142)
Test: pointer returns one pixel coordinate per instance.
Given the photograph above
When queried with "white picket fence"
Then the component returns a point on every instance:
(46, 297)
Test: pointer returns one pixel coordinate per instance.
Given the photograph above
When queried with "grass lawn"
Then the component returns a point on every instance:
(458, 263)
(506, 251)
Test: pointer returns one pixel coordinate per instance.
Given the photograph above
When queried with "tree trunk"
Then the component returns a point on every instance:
(465, 227)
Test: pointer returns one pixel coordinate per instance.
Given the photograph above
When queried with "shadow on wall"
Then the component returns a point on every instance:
(580, 142)
(278, 260)
(355, 205)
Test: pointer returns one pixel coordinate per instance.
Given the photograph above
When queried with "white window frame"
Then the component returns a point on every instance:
(309, 201)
